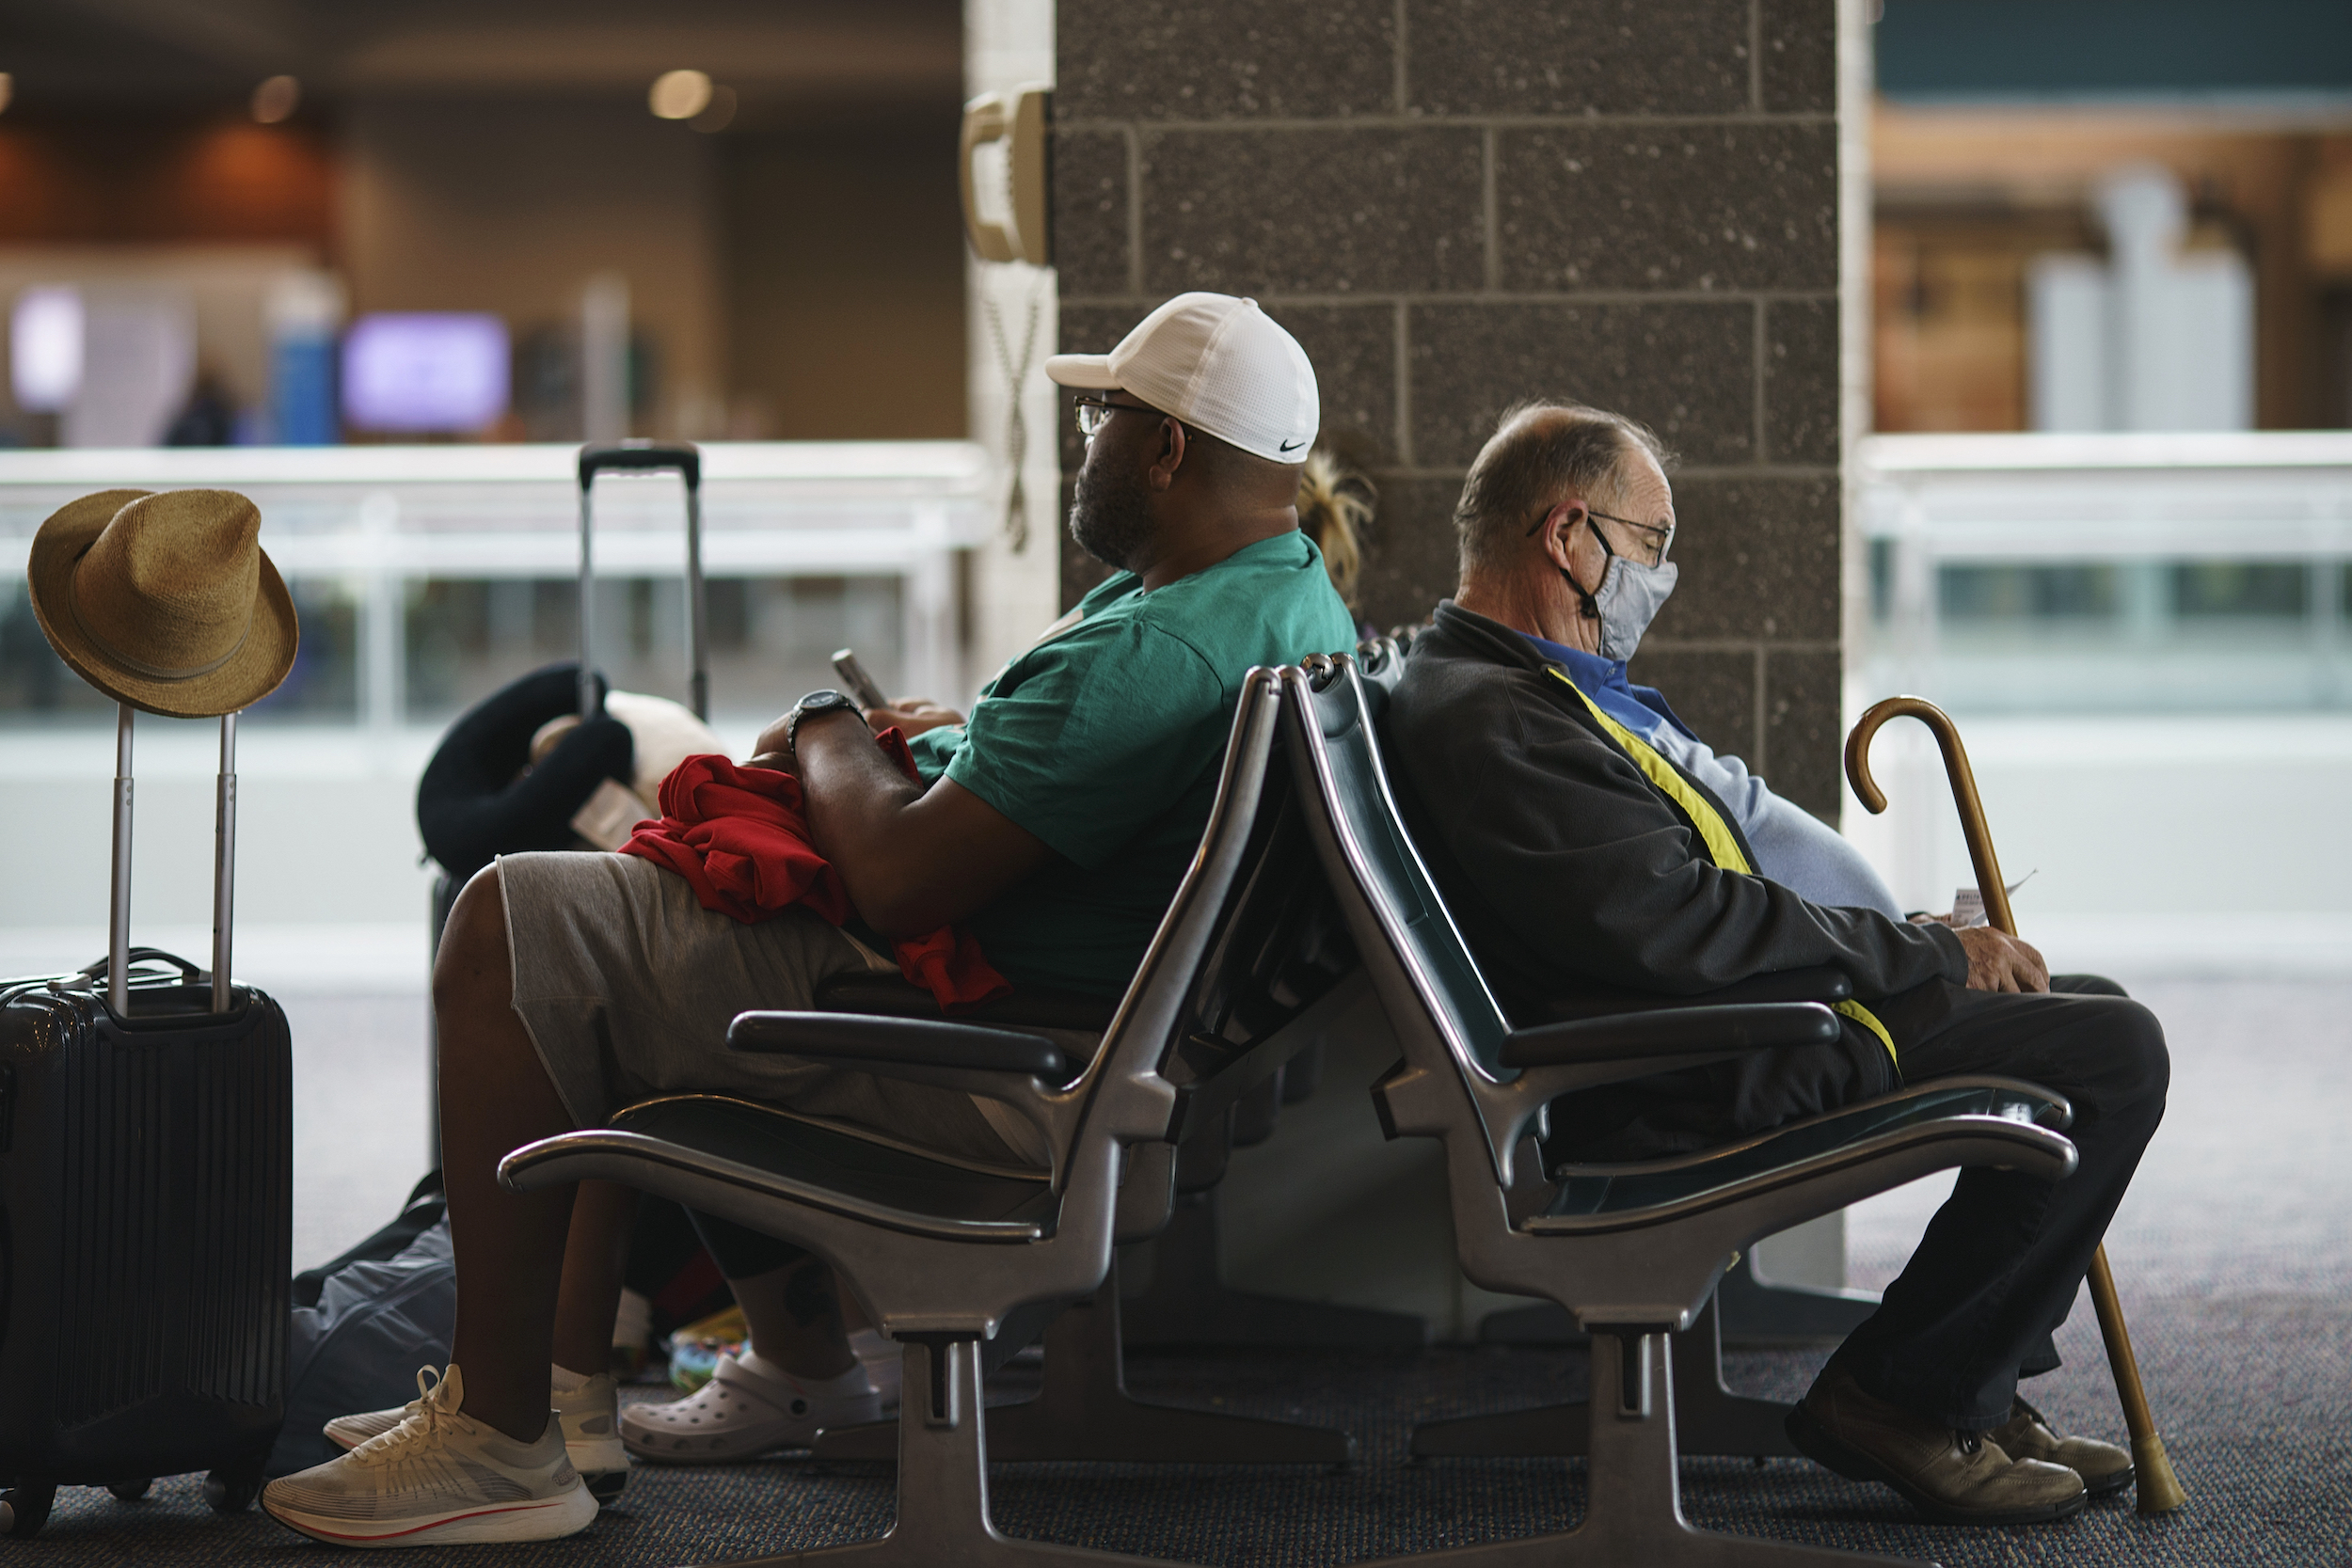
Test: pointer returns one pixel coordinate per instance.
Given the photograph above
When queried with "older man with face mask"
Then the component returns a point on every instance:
(1597, 854)
(1053, 826)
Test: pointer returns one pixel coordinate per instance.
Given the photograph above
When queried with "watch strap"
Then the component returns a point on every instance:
(825, 701)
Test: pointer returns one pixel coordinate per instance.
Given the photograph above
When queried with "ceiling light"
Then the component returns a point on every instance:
(718, 114)
(274, 99)
(679, 94)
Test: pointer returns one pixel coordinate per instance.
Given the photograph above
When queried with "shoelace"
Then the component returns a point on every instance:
(421, 1424)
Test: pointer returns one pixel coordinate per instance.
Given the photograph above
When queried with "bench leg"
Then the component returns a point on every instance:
(1709, 1417)
(1084, 1411)
(942, 1517)
(1189, 1303)
(1633, 1504)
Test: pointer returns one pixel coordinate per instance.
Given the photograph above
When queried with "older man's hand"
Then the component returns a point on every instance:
(1998, 961)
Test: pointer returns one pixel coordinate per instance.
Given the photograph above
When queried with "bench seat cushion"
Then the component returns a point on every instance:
(1628, 1189)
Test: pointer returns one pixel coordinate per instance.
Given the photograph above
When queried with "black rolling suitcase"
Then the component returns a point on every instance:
(146, 1186)
(684, 459)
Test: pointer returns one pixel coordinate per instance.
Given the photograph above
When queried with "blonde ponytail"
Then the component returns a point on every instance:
(1335, 507)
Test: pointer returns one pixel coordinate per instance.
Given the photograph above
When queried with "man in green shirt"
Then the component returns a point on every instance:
(1055, 824)
(1104, 741)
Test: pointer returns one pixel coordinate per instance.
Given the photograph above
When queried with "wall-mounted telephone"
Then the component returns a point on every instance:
(1020, 119)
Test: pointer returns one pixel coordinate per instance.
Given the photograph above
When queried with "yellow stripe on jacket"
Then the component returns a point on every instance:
(1723, 845)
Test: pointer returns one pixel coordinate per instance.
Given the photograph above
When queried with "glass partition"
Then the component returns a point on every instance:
(2108, 573)
(428, 577)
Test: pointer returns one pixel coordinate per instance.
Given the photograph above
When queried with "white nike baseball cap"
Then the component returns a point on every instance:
(1218, 362)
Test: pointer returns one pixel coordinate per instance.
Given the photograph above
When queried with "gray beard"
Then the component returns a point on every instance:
(1110, 518)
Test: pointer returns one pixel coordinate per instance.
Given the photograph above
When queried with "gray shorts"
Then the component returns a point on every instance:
(627, 986)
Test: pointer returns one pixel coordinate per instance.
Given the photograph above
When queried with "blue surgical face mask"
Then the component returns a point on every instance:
(1630, 593)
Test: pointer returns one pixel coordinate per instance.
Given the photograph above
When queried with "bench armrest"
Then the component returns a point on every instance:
(855, 1039)
(1671, 1031)
(884, 993)
(1819, 983)
(1022, 1071)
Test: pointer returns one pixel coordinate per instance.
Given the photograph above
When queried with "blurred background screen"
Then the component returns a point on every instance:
(425, 371)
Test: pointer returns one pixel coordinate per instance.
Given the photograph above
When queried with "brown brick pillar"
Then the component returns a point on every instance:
(1457, 204)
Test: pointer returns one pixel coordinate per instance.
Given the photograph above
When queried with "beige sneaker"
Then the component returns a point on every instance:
(1953, 1478)
(2027, 1434)
(439, 1477)
(589, 1408)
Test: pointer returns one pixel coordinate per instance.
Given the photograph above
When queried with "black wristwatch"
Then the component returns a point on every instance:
(825, 701)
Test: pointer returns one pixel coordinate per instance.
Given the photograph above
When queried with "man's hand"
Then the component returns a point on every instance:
(913, 859)
(913, 715)
(1998, 961)
(769, 750)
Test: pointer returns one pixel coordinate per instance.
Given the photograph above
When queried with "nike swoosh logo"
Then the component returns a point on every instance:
(1292, 445)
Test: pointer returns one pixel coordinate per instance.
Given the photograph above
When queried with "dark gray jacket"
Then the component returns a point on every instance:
(1575, 881)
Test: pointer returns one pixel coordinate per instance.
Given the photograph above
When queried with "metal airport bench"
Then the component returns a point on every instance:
(1709, 1418)
(1284, 945)
(944, 1254)
(1186, 1302)
(1631, 1251)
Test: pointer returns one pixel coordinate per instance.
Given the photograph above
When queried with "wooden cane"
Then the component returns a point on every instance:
(2159, 1490)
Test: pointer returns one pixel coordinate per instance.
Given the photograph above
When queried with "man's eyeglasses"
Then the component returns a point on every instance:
(1657, 539)
(1094, 413)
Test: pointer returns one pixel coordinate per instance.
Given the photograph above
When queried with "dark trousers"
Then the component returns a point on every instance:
(1998, 1268)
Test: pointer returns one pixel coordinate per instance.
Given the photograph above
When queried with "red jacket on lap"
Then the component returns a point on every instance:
(740, 836)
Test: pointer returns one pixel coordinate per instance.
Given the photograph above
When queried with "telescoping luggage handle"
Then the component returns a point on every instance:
(685, 459)
(119, 950)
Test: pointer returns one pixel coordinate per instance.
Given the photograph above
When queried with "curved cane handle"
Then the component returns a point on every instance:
(1972, 823)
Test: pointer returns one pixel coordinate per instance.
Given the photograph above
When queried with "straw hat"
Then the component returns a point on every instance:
(164, 601)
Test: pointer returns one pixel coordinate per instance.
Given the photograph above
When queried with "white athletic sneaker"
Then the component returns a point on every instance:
(589, 1408)
(745, 1410)
(439, 1477)
(348, 1432)
(883, 1363)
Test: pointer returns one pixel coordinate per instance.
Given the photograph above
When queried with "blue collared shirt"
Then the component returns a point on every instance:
(1638, 709)
(1792, 846)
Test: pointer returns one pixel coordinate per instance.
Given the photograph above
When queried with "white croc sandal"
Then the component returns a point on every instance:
(739, 1414)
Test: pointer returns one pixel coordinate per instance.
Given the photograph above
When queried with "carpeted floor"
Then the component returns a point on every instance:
(2235, 1255)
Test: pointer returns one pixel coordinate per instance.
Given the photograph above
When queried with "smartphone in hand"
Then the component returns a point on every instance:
(855, 681)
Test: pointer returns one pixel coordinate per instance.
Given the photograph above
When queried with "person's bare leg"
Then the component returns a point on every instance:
(495, 1097)
(794, 1314)
(596, 1254)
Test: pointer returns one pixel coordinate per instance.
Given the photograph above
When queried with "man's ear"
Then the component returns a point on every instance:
(1557, 525)
(1170, 456)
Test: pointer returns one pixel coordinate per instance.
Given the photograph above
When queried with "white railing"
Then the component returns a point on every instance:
(2175, 778)
(2137, 506)
(375, 518)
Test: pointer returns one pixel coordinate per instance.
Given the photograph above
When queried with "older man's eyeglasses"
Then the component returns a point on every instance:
(1655, 541)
